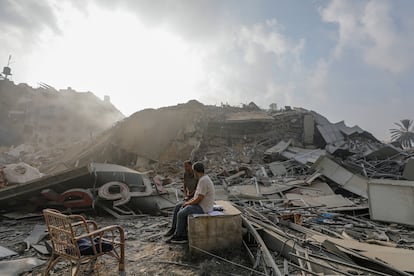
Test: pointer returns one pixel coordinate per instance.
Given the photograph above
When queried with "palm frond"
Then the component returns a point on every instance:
(405, 134)
(406, 123)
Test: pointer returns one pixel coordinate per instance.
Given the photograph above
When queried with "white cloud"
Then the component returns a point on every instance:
(368, 27)
(256, 62)
(267, 37)
(391, 47)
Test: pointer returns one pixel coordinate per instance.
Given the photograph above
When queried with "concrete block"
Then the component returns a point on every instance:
(409, 169)
(215, 232)
(308, 129)
(391, 200)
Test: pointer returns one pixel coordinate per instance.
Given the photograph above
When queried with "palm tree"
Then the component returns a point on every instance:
(405, 134)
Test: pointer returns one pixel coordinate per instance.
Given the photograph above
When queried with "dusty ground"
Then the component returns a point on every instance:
(146, 250)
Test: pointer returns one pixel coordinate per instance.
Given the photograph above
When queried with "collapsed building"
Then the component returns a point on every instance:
(310, 192)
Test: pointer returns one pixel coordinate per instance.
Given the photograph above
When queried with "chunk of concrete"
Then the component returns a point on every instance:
(5, 252)
(19, 266)
(215, 232)
(277, 168)
(391, 200)
(308, 129)
(408, 172)
(37, 234)
(347, 180)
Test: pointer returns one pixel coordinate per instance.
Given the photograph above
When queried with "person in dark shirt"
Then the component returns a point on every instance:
(189, 188)
(190, 181)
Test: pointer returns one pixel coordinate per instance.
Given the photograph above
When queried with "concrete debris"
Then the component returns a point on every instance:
(277, 168)
(347, 180)
(399, 198)
(38, 233)
(328, 201)
(283, 151)
(5, 252)
(314, 196)
(408, 172)
(19, 266)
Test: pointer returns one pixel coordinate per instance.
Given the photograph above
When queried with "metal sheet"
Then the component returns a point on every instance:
(391, 200)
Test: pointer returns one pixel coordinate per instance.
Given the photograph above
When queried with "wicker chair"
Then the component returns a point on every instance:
(67, 232)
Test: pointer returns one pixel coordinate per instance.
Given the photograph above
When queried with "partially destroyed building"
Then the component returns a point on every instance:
(45, 116)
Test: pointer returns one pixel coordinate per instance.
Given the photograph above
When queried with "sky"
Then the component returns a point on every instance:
(348, 60)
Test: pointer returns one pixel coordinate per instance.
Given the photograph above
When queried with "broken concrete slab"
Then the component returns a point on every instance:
(329, 201)
(36, 235)
(5, 252)
(391, 200)
(277, 168)
(308, 129)
(256, 191)
(276, 150)
(19, 266)
(397, 257)
(303, 156)
(384, 152)
(330, 132)
(283, 151)
(42, 249)
(347, 180)
(408, 172)
(316, 189)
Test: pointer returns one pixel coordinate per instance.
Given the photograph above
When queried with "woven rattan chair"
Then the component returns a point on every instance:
(67, 232)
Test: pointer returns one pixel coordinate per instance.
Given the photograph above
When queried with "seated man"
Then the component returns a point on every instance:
(189, 187)
(201, 203)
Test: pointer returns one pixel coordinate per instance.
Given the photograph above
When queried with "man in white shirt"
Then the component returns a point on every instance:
(201, 203)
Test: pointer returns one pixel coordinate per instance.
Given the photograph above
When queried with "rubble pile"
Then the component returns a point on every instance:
(316, 197)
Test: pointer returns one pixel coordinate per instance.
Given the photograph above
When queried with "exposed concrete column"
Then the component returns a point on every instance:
(308, 129)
